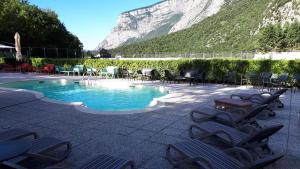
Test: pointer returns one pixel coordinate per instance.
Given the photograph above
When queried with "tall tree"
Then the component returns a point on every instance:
(37, 27)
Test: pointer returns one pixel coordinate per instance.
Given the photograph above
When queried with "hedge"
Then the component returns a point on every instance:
(215, 68)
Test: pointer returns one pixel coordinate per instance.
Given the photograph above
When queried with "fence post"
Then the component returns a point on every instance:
(57, 52)
(44, 53)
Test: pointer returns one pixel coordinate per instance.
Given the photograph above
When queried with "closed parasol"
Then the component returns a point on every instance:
(18, 46)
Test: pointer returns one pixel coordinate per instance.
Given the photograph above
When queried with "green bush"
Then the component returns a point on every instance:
(1, 60)
(215, 69)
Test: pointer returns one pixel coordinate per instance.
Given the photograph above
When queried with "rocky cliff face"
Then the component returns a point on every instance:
(288, 13)
(159, 19)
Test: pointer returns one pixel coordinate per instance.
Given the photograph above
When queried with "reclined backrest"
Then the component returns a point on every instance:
(281, 91)
(255, 111)
(265, 132)
(270, 99)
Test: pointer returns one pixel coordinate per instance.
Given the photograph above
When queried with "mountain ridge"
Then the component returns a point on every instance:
(234, 28)
(159, 19)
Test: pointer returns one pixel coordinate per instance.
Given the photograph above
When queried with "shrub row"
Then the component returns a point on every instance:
(215, 69)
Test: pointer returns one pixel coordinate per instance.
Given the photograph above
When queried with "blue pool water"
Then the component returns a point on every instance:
(95, 97)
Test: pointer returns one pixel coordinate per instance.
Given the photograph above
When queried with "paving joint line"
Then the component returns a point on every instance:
(21, 103)
(289, 126)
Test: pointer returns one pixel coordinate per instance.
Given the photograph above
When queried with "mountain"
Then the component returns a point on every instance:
(234, 28)
(159, 19)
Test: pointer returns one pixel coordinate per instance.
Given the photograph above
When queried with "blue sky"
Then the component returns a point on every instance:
(90, 20)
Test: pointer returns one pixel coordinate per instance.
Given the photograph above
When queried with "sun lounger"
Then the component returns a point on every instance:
(246, 136)
(257, 99)
(43, 149)
(13, 134)
(264, 95)
(235, 118)
(108, 162)
(207, 156)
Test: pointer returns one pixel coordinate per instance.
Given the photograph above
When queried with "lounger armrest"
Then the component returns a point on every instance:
(223, 113)
(256, 98)
(12, 165)
(208, 135)
(266, 93)
(262, 162)
(250, 129)
(43, 157)
(240, 154)
(204, 162)
(67, 144)
(236, 95)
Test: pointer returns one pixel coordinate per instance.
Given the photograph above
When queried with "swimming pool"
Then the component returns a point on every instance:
(111, 96)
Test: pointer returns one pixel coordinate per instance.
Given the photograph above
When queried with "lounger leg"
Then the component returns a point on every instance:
(203, 162)
(169, 157)
(193, 135)
(129, 164)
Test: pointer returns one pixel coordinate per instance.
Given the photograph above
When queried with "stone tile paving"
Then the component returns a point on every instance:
(140, 137)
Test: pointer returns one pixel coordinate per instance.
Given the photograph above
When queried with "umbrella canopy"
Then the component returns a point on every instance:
(18, 46)
(5, 47)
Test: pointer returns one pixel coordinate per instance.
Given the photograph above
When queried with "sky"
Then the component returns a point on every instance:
(90, 20)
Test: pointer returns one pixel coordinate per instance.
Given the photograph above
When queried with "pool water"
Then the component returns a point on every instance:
(106, 98)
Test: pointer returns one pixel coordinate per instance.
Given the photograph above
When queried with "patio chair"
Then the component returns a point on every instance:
(234, 117)
(200, 77)
(124, 73)
(231, 78)
(245, 136)
(79, 69)
(103, 73)
(112, 71)
(26, 67)
(208, 157)
(49, 68)
(13, 134)
(90, 72)
(155, 75)
(181, 77)
(8, 67)
(108, 162)
(169, 76)
(148, 73)
(265, 95)
(59, 69)
(44, 149)
(193, 76)
(265, 80)
(296, 78)
(138, 75)
(281, 81)
(250, 78)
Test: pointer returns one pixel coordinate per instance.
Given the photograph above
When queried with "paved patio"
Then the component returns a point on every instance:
(140, 137)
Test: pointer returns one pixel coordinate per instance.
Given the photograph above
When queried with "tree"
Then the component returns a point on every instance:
(279, 38)
(267, 38)
(293, 35)
(104, 53)
(37, 27)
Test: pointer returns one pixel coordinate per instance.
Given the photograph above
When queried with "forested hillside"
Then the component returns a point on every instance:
(235, 28)
(37, 27)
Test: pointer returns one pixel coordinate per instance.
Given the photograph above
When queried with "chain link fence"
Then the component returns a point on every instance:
(199, 55)
(40, 52)
(66, 53)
